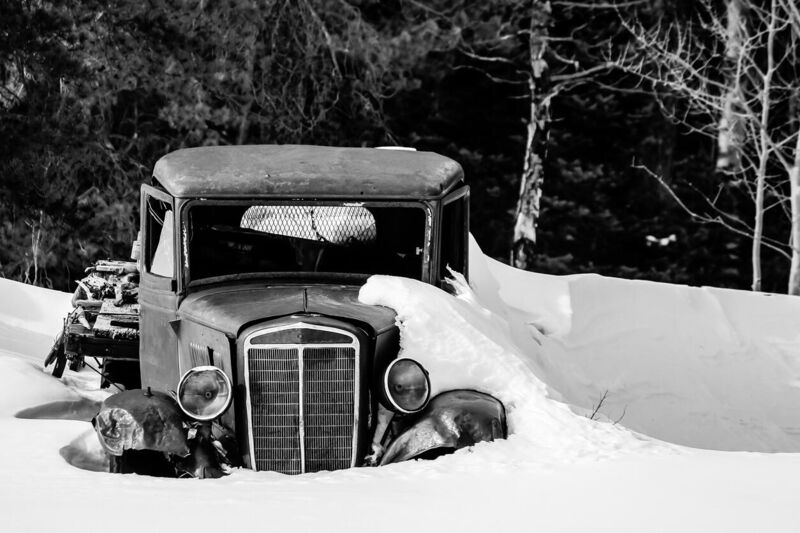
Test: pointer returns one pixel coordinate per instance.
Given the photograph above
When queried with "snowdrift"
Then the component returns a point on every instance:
(703, 367)
(464, 345)
(30, 317)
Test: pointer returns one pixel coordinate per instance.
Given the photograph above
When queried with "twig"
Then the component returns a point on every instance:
(599, 5)
(584, 73)
(599, 405)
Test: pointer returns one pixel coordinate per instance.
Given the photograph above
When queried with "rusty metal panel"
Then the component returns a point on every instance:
(229, 308)
(298, 171)
(157, 342)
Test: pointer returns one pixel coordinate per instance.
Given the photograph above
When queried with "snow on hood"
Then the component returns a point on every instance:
(464, 345)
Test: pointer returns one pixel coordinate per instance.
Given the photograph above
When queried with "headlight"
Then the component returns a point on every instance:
(204, 392)
(406, 386)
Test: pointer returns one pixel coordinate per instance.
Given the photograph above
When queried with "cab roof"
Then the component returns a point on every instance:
(299, 171)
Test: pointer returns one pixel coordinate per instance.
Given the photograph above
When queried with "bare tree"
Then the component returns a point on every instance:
(756, 79)
(551, 69)
(513, 44)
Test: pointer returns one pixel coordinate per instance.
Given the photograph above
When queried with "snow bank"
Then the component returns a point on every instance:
(30, 318)
(704, 367)
(25, 385)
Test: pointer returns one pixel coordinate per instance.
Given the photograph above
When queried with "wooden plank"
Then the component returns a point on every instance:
(108, 308)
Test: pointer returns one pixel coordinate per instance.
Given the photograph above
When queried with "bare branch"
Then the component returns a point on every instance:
(620, 417)
(705, 219)
(598, 406)
(488, 59)
(582, 74)
(599, 5)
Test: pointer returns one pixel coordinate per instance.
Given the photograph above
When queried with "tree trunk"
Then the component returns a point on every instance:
(764, 150)
(794, 182)
(527, 211)
(731, 129)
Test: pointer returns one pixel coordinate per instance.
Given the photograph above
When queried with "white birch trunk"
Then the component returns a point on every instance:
(730, 129)
(527, 211)
(794, 182)
(764, 151)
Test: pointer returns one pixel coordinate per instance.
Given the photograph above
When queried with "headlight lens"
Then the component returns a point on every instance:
(204, 392)
(406, 386)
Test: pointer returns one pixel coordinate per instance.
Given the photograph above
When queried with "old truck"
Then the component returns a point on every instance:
(254, 349)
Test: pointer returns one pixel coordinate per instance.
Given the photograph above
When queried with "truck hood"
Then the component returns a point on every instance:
(230, 308)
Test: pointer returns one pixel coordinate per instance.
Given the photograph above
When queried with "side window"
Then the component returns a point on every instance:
(159, 256)
(454, 236)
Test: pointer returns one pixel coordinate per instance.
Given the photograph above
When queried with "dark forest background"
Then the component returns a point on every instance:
(92, 93)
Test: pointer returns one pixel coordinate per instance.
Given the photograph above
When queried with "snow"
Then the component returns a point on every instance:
(681, 368)
(29, 318)
(464, 345)
(703, 367)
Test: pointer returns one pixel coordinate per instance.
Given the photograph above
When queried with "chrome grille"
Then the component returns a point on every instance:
(328, 394)
(302, 425)
(275, 417)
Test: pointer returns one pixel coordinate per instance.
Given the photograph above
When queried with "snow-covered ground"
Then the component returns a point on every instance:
(681, 369)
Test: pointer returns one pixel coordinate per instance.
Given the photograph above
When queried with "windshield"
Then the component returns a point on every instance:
(273, 238)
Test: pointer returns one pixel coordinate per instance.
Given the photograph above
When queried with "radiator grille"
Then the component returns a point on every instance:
(303, 405)
(274, 397)
(328, 392)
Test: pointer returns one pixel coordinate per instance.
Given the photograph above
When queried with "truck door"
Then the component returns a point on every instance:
(454, 234)
(158, 344)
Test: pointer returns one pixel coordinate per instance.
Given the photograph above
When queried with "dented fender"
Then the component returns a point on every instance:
(141, 420)
(453, 420)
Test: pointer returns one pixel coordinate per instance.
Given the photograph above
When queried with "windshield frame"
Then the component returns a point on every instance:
(188, 283)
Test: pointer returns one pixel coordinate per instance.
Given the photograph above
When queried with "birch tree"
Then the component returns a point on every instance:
(794, 195)
(526, 214)
(513, 43)
(792, 13)
(729, 137)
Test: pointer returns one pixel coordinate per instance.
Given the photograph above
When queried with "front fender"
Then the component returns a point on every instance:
(145, 432)
(141, 420)
(453, 420)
